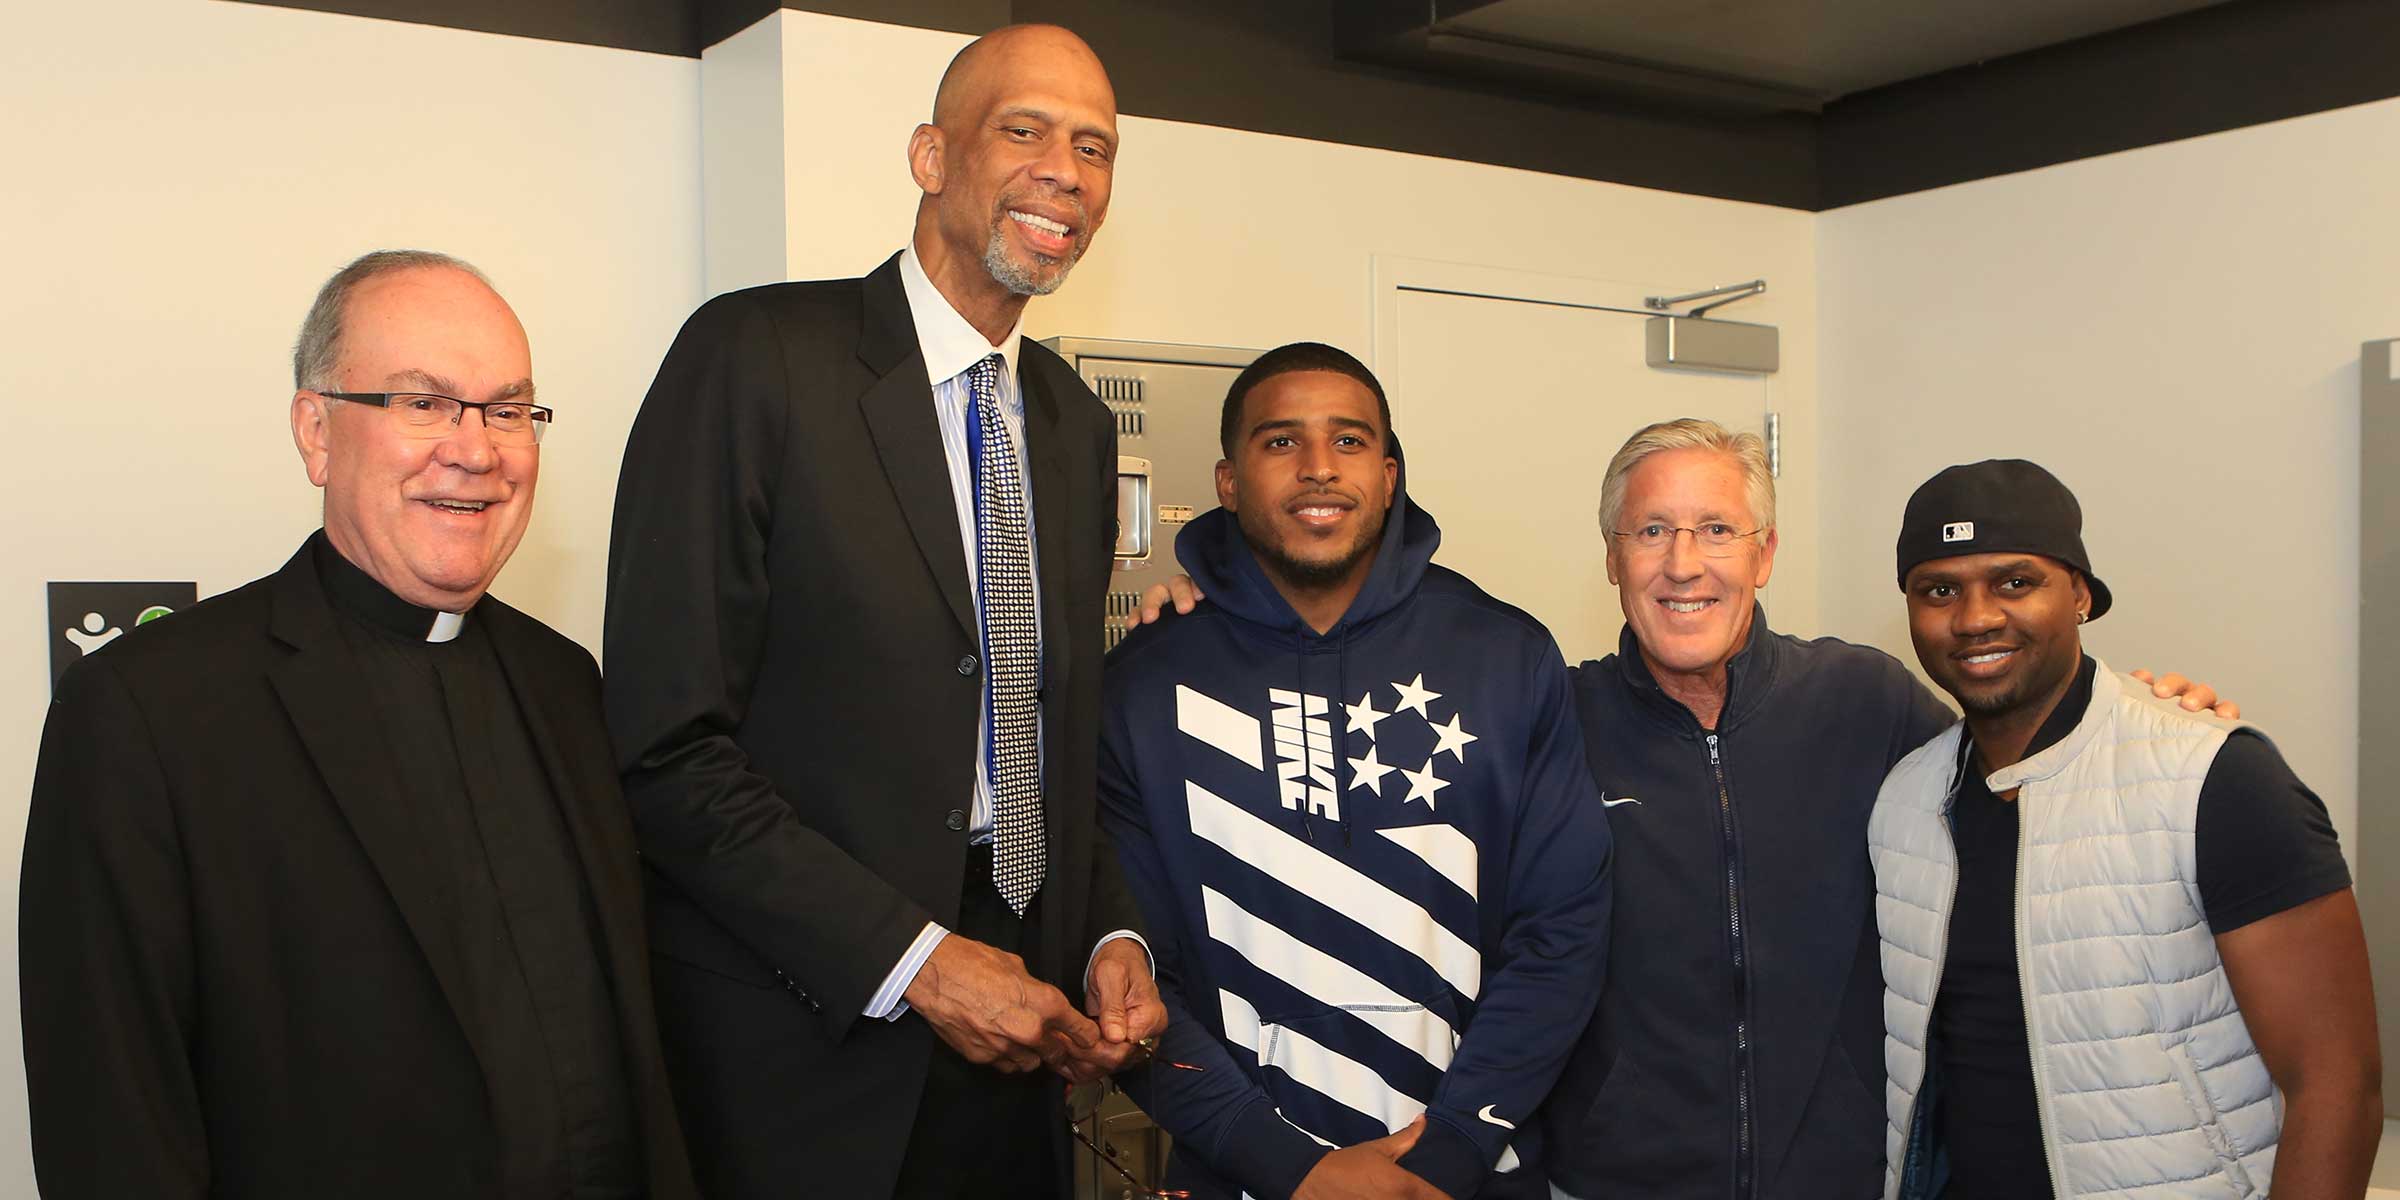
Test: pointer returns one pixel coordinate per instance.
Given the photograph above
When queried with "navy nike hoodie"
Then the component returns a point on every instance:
(1373, 864)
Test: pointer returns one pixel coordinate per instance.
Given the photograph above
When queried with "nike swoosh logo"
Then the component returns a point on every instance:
(1605, 802)
(1486, 1114)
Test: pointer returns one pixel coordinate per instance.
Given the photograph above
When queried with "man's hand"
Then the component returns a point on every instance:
(1121, 995)
(1180, 589)
(987, 1008)
(2191, 694)
(1369, 1171)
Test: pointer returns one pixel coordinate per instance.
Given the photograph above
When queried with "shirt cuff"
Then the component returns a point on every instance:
(1138, 940)
(886, 1003)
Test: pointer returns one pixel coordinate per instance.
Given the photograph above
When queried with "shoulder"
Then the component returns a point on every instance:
(1480, 614)
(1040, 368)
(1147, 649)
(1845, 662)
(814, 304)
(1937, 758)
(553, 649)
(203, 637)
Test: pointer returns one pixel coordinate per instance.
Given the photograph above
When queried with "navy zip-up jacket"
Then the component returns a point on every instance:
(1737, 1051)
(1373, 867)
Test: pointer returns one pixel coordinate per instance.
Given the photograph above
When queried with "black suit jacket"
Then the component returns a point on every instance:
(795, 693)
(230, 984)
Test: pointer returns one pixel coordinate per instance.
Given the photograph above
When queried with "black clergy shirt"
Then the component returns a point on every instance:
(2262, 844)
(513, 900)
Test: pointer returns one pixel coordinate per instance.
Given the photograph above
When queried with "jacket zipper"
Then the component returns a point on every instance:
(1743, 1153)
(2033, 1043)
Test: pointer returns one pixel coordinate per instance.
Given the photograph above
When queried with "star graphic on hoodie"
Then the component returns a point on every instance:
(1363, 715)
(1415, 695)
(1422, 785)
(1368, 773)
(1453, 738)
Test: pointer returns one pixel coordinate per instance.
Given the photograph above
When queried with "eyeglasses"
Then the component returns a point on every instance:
(1716, 539)
(1085, 1102)
(429, 415)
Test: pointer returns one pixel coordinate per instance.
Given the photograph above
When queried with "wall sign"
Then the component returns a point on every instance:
(87, 616)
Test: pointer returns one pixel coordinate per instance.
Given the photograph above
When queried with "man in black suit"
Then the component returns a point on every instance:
(328, 886)
(862, 538)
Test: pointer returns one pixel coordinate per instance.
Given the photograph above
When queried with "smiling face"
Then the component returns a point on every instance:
(1690, 610)
(432, 519)
(1309, 481)
(1997, 631)
(1017, 164)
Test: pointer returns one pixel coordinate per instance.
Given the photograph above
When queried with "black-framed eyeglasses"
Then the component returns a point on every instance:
(1716, 539)
(433, 415)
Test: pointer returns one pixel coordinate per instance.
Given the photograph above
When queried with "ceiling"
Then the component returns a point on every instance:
(1725, 55)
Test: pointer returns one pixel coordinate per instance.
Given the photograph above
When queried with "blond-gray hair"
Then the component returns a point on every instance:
(318, 352)
(1691, 433)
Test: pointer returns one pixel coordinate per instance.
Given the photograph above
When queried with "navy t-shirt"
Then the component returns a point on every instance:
(2263, 844)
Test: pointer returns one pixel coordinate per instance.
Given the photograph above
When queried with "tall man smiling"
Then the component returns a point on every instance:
(861, 541)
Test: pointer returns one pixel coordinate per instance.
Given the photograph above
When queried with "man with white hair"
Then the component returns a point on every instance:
(329, 888)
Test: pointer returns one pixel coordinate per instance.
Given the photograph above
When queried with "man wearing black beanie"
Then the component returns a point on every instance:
(2114, 931)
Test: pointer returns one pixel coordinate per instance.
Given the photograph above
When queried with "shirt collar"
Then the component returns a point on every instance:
(361, 597)
(950, 344)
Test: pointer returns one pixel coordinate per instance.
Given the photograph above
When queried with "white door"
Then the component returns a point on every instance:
(1509, 411)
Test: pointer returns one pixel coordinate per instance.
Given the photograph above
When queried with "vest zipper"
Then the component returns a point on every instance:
(2033, 1041)
(1941, 961)
(1744, 1137)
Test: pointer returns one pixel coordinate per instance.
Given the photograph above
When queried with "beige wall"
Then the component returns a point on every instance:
(180, 178)
(2175, 331)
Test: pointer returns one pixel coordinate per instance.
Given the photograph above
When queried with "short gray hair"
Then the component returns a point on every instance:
(318, 352)
(1691, 433)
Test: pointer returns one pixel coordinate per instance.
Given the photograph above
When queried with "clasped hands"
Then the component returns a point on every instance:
(981, 1001)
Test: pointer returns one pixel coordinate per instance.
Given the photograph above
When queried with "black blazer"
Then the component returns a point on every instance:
(229, 983)
(794, 689)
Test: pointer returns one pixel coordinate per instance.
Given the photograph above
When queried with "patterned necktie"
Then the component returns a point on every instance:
(1012, 648)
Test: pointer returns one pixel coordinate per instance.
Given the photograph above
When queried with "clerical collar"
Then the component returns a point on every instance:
(358, 595)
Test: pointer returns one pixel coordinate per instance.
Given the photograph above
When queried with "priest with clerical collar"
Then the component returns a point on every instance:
(329, 888)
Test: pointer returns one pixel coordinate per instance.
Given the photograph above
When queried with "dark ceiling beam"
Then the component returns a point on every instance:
(658, 26)
(2225, 67)
(1412, 34)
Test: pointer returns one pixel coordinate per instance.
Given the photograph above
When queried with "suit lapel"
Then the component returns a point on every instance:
(898, 411)
(318, 685)
(1056, 507)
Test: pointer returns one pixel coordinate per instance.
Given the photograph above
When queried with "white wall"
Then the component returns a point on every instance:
(2174, 331)
(1226, 237)
(181, 177)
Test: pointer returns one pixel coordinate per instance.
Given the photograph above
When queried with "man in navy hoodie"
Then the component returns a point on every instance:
(1352, 801)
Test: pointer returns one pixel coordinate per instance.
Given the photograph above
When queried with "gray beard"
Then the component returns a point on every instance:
(1016, 279)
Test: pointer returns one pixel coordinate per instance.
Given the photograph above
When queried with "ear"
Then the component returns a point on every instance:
(312, 433)
(1225, 489)
(1608, 558)
(925, 158)
(1391, 480)
(2083, 592)
(1766, 559)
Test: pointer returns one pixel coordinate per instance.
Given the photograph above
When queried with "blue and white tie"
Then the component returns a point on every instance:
(1012, 648)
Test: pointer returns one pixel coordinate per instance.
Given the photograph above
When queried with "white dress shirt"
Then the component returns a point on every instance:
(951, 347)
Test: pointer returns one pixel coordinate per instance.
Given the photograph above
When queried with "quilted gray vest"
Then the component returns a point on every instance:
(2144, 1074)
